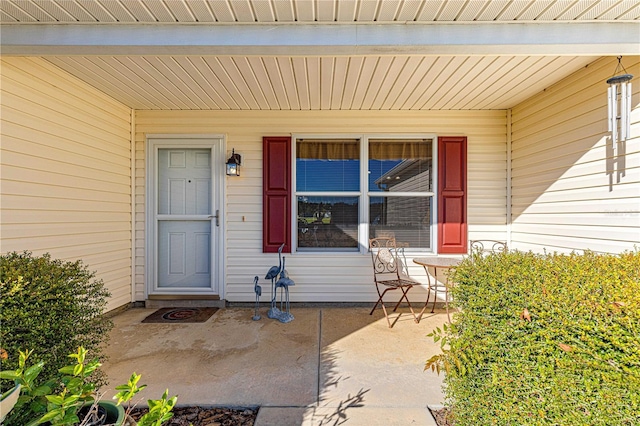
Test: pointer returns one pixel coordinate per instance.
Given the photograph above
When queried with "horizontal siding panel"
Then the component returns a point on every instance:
(40, 243)
(97, 102)
(564, 167)
(350, 273)
(71, 252)
(42, 203)
(88, 181)
(113, 152)
(80, 171)
(582, 138)
(56, 127)
(628, 219)
(589, 206)
(66, 171)
(23, 216)
(34, 230)
(43, 96)
(551, 243)
(569, 230)
(27, 189)
(596, 182)
(583, 194)
(602, 169)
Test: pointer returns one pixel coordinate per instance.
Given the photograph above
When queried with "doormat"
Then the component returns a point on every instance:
(181, 315)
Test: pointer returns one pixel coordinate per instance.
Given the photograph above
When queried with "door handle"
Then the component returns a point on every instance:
(217, 216)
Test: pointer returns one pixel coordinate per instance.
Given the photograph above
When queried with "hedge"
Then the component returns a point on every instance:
(52, 307)
(544, 339)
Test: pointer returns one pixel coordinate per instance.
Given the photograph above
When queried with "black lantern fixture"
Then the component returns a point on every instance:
(619, 104)
(233, 164)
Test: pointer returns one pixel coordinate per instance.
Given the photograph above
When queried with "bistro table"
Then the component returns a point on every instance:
(444, 264)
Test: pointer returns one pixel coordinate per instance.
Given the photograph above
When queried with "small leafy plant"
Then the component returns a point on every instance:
(59, 401)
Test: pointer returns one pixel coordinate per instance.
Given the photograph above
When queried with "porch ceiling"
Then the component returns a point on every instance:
(320, 54)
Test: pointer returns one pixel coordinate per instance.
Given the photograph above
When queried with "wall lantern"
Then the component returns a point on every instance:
(619, 105)
(233, 164)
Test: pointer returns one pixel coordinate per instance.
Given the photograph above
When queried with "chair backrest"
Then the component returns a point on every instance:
(487, 246)
(384, 255)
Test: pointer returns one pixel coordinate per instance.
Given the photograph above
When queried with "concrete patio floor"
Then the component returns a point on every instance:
(328, 366)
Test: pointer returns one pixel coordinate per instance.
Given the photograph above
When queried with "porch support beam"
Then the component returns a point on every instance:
(549, 38)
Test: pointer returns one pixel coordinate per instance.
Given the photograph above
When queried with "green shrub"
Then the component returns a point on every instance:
(544, 340)
(76, 402)
(51, 305)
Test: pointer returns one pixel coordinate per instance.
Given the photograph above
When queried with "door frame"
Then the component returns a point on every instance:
(217, 144)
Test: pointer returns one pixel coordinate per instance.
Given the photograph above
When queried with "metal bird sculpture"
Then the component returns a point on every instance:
(283, 283)
(274, 271)
(258, 290)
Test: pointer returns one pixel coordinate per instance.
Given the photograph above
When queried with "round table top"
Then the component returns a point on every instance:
(438, 262)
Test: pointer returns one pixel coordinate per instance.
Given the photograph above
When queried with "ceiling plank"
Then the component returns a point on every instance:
(209, 94)
(262, 78)
(273, 70)
(347, 10)
(154, 67)
(313, 71)
(185, 84)
(247, 74)
(237, 80)
(390, 79)
(351, 81)
(203, 68)
(180, 11)
(217, 67)
(263, 10)
(143, 14)
(325, 10)
(326, 81)
(301, 81)
(413, 83)
(201, 11)
(242, 10)
(455, 82)
(366, 72)
(339, 79)
(376, 80)
(290, 88)
(86, 70)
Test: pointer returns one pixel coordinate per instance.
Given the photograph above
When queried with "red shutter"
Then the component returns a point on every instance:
(452, 194)
(276, 197)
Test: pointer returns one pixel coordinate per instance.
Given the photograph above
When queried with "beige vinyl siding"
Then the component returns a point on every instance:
(321, 276)
(66, 172)
(570, 189)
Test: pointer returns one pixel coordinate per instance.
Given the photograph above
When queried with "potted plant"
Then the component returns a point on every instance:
(75, 403)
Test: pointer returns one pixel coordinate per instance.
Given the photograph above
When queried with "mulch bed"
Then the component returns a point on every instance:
(199, 416)
(441, 417)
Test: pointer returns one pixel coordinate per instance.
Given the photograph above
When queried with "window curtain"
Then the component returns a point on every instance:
(403, 149)
(332, 149)
(349, 149)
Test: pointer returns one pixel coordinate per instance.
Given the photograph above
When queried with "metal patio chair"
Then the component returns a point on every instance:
(388, 274)
(484, 247)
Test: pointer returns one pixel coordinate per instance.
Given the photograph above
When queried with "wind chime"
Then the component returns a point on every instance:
(619, 105)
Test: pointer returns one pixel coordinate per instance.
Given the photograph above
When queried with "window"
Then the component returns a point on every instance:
(352, 189)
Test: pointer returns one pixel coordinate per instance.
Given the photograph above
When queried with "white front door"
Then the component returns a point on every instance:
(184, 216)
